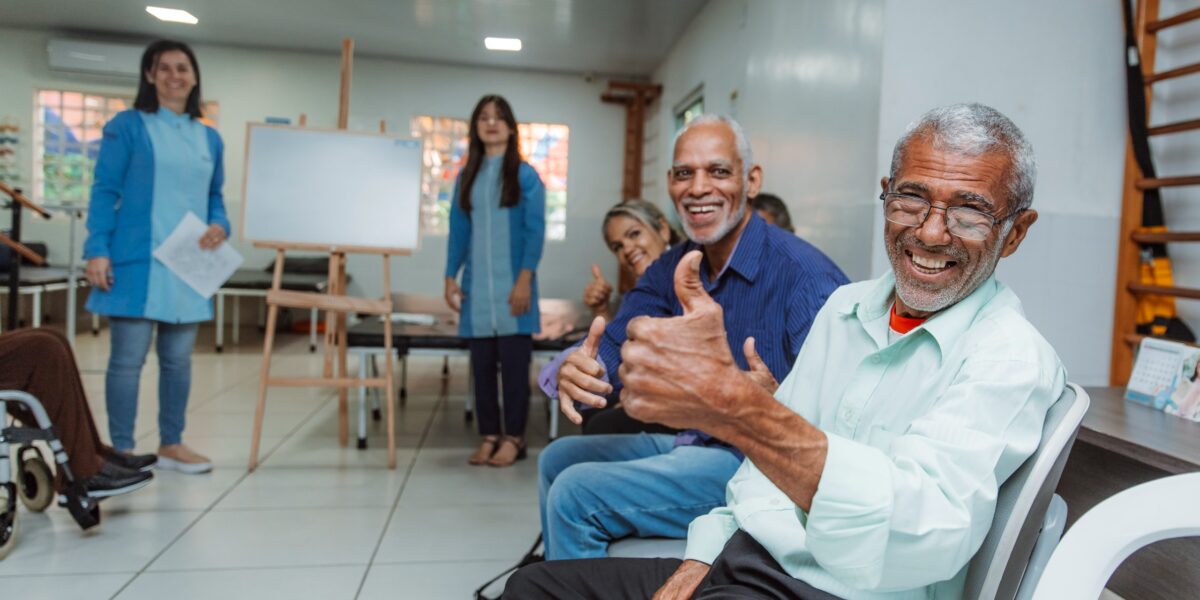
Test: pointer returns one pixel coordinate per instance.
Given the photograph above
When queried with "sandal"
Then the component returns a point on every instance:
(487, 447)
(512, 449)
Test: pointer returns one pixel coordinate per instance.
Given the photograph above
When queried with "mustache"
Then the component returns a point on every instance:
(688, 202)
(909, 240)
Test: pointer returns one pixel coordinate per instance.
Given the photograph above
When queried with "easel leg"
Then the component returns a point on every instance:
(387, 353)
(264, 372)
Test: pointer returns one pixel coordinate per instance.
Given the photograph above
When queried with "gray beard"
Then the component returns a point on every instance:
(917, 296)
(722, 231)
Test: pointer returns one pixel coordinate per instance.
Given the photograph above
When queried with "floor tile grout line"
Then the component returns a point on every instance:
(443, 399)
(259, 568)
(210, 507)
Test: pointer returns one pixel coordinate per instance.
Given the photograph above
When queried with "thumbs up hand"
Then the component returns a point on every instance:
(579, 377)
(758, 369)
(597, 293)
(679, 371)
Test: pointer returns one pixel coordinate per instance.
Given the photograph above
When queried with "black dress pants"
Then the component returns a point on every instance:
(743, 570)
(512, 353)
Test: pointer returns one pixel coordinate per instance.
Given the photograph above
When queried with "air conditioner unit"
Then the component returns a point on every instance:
(95, 58)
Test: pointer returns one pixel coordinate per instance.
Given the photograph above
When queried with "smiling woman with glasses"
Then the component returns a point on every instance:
(961, 221)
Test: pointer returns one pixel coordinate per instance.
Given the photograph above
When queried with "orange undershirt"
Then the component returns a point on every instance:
(902, 324)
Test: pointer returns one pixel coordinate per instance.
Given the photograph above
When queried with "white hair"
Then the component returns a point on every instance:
(745, 154)
(975, 129)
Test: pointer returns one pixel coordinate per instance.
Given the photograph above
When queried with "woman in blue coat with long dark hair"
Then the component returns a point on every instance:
(497, 229)
(157, 163)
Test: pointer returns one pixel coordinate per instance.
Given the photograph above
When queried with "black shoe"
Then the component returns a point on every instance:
(133, 462)
(113, 480)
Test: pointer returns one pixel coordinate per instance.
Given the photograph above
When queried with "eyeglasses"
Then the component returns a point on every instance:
(961, 221)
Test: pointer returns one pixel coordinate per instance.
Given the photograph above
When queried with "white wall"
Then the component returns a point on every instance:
(803, 79)
(1056, 69)
(253, 84)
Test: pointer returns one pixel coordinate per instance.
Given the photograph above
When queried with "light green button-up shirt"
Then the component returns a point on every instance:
(922, 431)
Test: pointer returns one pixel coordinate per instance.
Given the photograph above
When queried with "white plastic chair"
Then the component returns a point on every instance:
(1028, 522)
(1106, 535)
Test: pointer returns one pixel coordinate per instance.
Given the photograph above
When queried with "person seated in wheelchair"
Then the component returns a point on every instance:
(875, 469)
(40, 363)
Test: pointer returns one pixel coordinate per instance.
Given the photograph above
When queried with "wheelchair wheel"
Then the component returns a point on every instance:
(36, 484)
(8, 519)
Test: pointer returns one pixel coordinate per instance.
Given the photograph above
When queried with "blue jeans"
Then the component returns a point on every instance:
(130, 343)
(598, 488)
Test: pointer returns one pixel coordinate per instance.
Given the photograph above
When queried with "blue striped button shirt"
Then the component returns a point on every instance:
(771, 289)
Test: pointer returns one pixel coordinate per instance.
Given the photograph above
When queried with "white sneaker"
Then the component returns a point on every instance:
(181, 458)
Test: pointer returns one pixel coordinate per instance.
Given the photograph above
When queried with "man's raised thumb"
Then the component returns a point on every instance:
(753, 360)
(591, 344)
(596, 272)
(688, 287)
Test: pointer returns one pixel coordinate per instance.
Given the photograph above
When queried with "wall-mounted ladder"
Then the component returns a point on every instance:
(1145, 288)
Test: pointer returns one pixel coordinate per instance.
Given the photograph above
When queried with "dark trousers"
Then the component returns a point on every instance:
(743, 570)
(512, 353)
(40, 362)
(614, 419)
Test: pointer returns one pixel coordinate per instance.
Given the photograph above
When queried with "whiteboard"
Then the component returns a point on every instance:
(324, 188)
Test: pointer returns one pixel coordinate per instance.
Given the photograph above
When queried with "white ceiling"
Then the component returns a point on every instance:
(628, 37)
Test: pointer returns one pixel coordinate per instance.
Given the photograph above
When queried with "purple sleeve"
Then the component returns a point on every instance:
(548, 376)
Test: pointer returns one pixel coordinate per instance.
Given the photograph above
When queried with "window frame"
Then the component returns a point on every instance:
(433, 185)
(84, 180)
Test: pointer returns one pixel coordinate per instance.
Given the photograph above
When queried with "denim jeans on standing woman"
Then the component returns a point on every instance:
(130, 343)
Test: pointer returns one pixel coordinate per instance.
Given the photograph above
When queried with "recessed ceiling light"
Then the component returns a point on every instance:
(506, 44)
(172, 15)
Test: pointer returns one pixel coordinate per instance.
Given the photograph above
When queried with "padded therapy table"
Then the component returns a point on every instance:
(425, 325)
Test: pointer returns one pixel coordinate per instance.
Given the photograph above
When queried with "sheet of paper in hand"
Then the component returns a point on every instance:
(203, 270)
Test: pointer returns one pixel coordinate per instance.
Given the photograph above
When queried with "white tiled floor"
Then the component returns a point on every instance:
(314, 521)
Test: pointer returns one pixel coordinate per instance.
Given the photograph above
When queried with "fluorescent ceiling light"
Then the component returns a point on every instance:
(507, 44)
(172, 15)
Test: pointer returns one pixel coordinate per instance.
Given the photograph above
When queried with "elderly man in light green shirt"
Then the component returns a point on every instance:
(873, 472)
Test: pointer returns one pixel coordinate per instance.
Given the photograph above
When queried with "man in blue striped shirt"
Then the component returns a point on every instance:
(594, 489)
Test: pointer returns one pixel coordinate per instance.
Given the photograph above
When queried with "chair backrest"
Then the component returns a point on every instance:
(996, 570)
(1108, 533)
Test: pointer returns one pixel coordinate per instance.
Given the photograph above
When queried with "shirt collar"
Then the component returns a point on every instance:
(747, 251)
(169, 115)
(946, 326)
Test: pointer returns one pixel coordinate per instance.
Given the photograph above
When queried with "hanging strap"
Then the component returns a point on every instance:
(1135, 84)
(530, 557)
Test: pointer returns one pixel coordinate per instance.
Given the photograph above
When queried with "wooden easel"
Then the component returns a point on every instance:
(336, 304)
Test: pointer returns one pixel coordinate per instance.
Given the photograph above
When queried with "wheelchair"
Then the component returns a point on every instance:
(34, 481)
